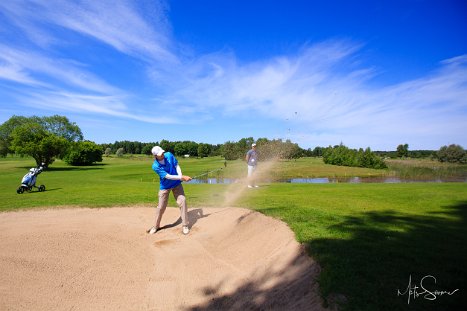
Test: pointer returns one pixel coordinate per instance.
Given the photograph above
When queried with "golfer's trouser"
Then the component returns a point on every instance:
(251, 170)
(179, 196)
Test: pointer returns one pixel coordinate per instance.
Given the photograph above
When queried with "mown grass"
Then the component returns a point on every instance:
(368, 238)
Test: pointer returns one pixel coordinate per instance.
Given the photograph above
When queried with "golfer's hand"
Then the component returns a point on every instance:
(186, 178)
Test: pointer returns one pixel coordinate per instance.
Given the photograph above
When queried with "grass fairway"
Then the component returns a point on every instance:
(368, 238)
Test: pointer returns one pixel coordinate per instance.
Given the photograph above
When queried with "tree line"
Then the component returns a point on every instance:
(230, 150)
(47, 138)
(179, 148)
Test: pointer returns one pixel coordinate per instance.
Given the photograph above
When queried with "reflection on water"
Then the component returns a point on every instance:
(330, 180)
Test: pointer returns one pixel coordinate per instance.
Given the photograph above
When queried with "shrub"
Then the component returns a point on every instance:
(343, 156)
(452, 154)
(84, 153)
(120, 152)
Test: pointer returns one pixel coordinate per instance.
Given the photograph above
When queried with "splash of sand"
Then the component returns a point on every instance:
(239, 189)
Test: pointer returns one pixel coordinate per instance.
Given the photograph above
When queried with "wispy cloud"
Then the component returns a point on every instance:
(98, 104)
(34, 69)
(116, 23)
(323, 91)
(323, 88)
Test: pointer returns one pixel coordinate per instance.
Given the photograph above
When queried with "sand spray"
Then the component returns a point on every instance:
(239, 189)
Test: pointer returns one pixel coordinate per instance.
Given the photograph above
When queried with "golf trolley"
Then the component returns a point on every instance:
(29, 180)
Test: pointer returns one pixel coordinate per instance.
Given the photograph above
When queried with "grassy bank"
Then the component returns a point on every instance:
(368, 238)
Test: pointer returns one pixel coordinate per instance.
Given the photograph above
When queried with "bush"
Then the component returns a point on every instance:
(120, 152)
(452, 154)
(84, 153)
(343, 156)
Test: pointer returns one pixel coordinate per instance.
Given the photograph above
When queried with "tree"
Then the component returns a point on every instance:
(32, 139)
(343, 156)
(403, 150)
(62, 127)
(5, 133)
(204, 150)
(57, 131)
(84, 153)
(318, 152)
(147, 148)
(230, 151)
(167, 146)
(107, 151)
(453, 154)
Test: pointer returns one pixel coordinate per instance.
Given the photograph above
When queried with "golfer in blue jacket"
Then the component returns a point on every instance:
(170, 174)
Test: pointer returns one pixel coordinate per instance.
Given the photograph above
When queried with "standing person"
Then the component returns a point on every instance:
(170, 174)
(252, 160)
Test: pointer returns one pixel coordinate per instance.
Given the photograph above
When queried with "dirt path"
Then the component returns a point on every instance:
(96, 259)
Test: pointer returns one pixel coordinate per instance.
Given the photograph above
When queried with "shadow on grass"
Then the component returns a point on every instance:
(37, 191)
(98, 166)
(384, 249)
(76, 168)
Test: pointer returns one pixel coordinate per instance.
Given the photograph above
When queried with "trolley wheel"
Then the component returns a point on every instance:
(41, 188)
(19, 190)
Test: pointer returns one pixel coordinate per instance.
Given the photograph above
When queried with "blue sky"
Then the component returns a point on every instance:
(365, 73)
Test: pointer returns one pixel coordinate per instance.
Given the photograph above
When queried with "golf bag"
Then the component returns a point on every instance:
(29, 180)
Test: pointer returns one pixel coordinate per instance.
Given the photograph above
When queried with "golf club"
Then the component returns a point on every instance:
(206, 173)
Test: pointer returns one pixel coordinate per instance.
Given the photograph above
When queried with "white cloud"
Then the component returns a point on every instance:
(97, 104)
(323, 91)
(116, 23)
(34, 69)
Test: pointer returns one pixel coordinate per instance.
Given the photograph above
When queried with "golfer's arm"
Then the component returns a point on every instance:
(175, 177)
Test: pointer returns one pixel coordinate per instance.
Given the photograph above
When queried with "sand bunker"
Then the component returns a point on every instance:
(95, 259)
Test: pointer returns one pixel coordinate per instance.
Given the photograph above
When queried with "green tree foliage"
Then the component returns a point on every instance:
(415, 154)
(277, 149)
(267, 149)
(452, 154)
(55, 131)
(147, 148)
(343, 156)
(185, 147)
(204, 150)
(5, 133)
(231, 151)
(317, 152)
(32, 139)
(402, 150)
(62, 127)
(84, 153)
(167, 145)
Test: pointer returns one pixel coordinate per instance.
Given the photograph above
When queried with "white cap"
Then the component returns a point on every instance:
(157, 151)
(253, 145)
